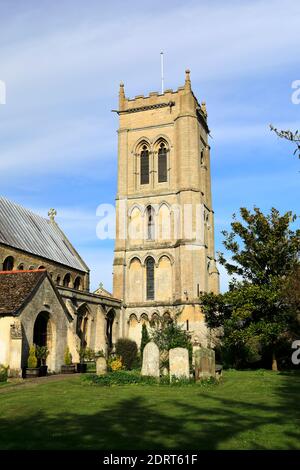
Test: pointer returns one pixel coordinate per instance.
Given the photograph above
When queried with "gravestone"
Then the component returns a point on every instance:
(179, 363)
(101, 366)
(205, 364)
(150, 360)
(196, 346)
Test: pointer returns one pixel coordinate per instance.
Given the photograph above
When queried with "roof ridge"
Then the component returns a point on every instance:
(17, 271)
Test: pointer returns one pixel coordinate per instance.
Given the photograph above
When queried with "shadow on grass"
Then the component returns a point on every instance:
(289, 395)
(134, 424)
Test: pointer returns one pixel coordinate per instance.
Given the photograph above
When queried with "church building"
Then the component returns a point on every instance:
(45, 297)
(164, 250)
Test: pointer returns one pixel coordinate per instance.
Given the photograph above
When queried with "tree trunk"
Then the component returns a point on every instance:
(274, 362)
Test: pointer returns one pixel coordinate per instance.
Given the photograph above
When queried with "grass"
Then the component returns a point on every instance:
(248, 410)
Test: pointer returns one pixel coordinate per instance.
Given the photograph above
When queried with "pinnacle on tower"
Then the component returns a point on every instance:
(121, 96)
(187, 80)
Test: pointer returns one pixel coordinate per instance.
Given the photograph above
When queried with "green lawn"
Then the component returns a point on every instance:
(249, 410)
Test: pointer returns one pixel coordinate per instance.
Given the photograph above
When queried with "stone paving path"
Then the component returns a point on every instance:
(15, 384)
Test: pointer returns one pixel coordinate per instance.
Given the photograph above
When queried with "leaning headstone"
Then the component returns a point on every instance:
(179, 363)
(101, 366)
(150, 360)
(205, 364)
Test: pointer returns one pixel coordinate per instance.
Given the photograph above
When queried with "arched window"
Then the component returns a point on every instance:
(150, 223)
(58, 280)
(77, 283)
(8, 264)
(67, 280)
(41, 267)
(150, 278)
(21, 267)
(144, 165)
(162, 164)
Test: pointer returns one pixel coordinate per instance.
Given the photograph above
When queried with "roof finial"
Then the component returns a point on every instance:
(203, 108)
(121, 95)
(187, 79)
(52, 213)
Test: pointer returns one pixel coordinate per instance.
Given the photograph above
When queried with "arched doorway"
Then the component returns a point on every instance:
(110, 317)
(42, 333)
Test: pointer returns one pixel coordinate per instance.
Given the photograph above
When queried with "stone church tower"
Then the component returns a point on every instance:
(164, 250)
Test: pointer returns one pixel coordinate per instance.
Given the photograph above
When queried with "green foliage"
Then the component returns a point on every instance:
(42, 353)
(99, 353)
(124, 377)
(89, 354)
(169, 335)
(86, 354)
(32, 359)
(127, 350)
(269, 247)
(145, 337)
(3, 373)
(68, 357)
(258, 313)
(120, 378)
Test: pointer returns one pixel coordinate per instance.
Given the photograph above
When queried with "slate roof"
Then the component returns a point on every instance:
(29, 232)
(16, 288)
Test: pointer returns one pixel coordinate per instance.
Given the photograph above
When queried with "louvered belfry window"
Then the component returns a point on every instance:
(150, 278)
(162, 164)
(144, 165)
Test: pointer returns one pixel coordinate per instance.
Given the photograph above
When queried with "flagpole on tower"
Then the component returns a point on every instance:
(162, 71)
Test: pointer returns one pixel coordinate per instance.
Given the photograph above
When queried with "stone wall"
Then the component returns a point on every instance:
(27, 261)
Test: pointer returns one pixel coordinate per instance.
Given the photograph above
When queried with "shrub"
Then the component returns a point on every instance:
(125, 377)
(100, 353)
(32, 359)
(145, 337)
(3, 373)
(121, 377)
(68, 357)
(86, 354)
(115, 364)
(42, 353)
(89, 354)
(127, 350)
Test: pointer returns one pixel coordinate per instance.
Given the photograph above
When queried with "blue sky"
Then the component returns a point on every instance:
(62, 63)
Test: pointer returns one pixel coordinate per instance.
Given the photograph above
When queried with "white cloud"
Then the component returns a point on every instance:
(72, 66)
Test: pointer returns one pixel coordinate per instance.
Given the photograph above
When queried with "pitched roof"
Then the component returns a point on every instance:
(16, 288)
(26, 231)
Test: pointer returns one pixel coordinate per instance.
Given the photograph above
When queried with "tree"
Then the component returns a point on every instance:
(127, 350)
(169, 334)
(255, 315)
(289, 135)
(145, 337)
(269, 247)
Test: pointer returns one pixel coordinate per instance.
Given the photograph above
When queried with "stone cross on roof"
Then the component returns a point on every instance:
(52, 213)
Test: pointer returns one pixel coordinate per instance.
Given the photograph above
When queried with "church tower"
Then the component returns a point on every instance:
(164, 250)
